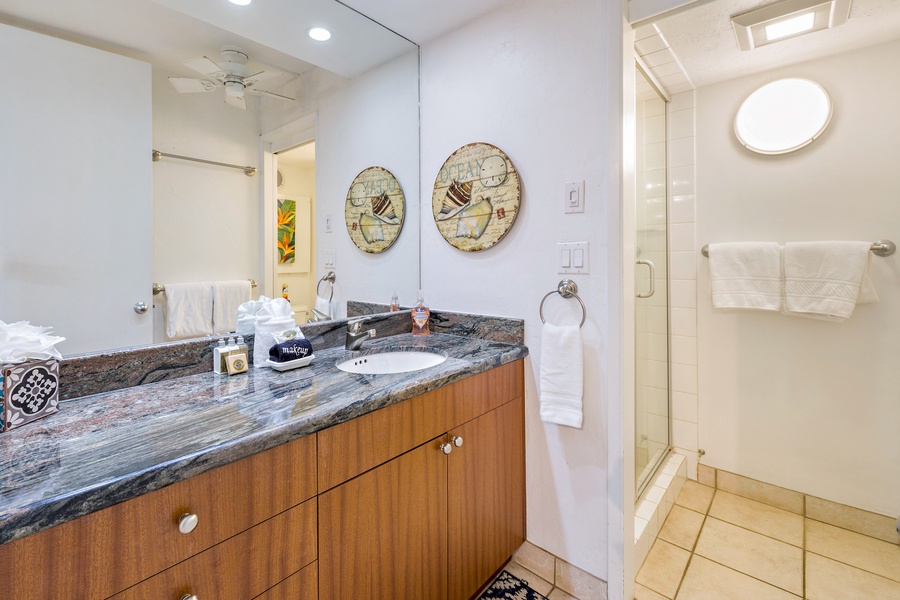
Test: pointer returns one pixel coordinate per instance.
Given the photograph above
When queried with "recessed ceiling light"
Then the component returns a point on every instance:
(241, 2)
(320, 34)
(786, 19)
(791, 26)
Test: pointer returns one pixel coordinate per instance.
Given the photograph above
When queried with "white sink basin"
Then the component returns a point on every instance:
(382, 363)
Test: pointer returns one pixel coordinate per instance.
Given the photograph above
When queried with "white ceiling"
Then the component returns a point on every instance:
(703, 40)
(166, 33)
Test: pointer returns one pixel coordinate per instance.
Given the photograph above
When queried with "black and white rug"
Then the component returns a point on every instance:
(508, 587)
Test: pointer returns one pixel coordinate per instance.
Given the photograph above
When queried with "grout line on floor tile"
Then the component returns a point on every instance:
(852, 566)
(739, 526)
(694, 546)
(768, 583)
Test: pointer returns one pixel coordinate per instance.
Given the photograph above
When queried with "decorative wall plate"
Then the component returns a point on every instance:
(374, 210)
(476, 197)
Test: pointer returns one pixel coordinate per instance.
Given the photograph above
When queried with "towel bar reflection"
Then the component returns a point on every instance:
(161, 289)
(567, 289)
(879, 248)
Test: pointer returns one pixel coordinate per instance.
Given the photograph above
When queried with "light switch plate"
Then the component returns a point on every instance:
(330, 258)
(573, 257)
(329, 223)
(574, 197)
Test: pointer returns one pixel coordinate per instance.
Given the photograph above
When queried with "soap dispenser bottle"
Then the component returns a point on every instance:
(218, 353)
(420, 317)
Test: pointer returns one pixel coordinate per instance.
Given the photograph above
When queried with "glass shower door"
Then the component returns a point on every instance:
(652, 423)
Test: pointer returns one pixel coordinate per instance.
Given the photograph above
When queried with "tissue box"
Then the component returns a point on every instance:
(28, 391)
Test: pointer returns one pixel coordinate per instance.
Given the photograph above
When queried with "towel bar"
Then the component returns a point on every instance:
(879, 248)
(567, 289)
(161, 289)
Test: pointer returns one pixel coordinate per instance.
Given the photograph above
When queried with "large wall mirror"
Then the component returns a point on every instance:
(92, 223)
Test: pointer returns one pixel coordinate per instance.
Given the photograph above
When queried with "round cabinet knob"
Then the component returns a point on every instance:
(140, 307)
(456, 441)
(186, 524)
(446, 448)
(189, 597)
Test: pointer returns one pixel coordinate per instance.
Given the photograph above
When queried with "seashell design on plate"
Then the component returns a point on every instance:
(383, 209)
(458, 197)
(474, 219)
(357, 194)
(371, 228)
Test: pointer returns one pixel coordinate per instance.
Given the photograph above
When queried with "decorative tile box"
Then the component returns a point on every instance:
(28, 391)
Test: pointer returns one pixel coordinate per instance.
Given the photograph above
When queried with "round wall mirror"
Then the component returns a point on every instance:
(783, 116)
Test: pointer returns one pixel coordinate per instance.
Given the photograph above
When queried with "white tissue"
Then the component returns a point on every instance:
(22, 341)
(246, 315)
(273, 318)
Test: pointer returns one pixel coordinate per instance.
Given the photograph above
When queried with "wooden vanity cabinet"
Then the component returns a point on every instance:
(105, 552)
(437, 516)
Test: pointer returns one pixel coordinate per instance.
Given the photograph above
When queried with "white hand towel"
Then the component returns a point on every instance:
(227, 297)
(323, 305)
(746, 275)
(189, 310)
(823, 279)
(562, 374)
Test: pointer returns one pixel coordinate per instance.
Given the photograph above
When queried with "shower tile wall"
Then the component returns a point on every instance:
(684, 256)
(653, 48)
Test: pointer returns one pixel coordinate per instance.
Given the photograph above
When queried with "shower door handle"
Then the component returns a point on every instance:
(652, 278)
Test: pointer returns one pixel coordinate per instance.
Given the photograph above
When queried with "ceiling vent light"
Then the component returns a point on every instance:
(241, 2)
(320, 34)
(786, 19)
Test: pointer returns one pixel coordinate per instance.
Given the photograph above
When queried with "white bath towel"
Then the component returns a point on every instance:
(189, 310)
(824, 279)
(746, 275)
(562, 374)
(227, 297)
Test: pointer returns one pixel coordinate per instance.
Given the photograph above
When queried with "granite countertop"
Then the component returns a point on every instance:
(109, 447)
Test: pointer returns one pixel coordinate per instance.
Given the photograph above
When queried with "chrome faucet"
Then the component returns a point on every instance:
(355, 335)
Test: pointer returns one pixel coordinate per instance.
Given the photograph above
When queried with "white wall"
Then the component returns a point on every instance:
(805, 404)
(372, 121)
(531, 79)
(206, 218)
(74, 191)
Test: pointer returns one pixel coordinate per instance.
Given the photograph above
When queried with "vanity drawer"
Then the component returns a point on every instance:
(242, 567)
(355, 446)
(104, 552)
(302, 585)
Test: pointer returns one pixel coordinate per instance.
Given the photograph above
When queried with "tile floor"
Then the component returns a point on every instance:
(553, 577)
(717, 545)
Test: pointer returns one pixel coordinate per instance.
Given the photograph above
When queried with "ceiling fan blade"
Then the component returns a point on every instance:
(187, 85)
(262, 75)
(206, 66)
(236, 101)
(273, 94)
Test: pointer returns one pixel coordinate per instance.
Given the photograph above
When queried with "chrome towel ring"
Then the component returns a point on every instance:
(330, 279)
(567, 289)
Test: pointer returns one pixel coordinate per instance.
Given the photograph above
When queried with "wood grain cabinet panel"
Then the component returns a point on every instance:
(104, 552)
(486, 492)
(381, 533)
(302, 585)
(242, 567)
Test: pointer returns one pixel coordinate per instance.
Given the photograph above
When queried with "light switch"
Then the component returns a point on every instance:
(574, 197)
(574, 257)
(330, 258)
(329, 223)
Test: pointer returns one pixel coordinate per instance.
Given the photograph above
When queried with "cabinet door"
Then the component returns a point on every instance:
(383, 535)
(486, 497)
